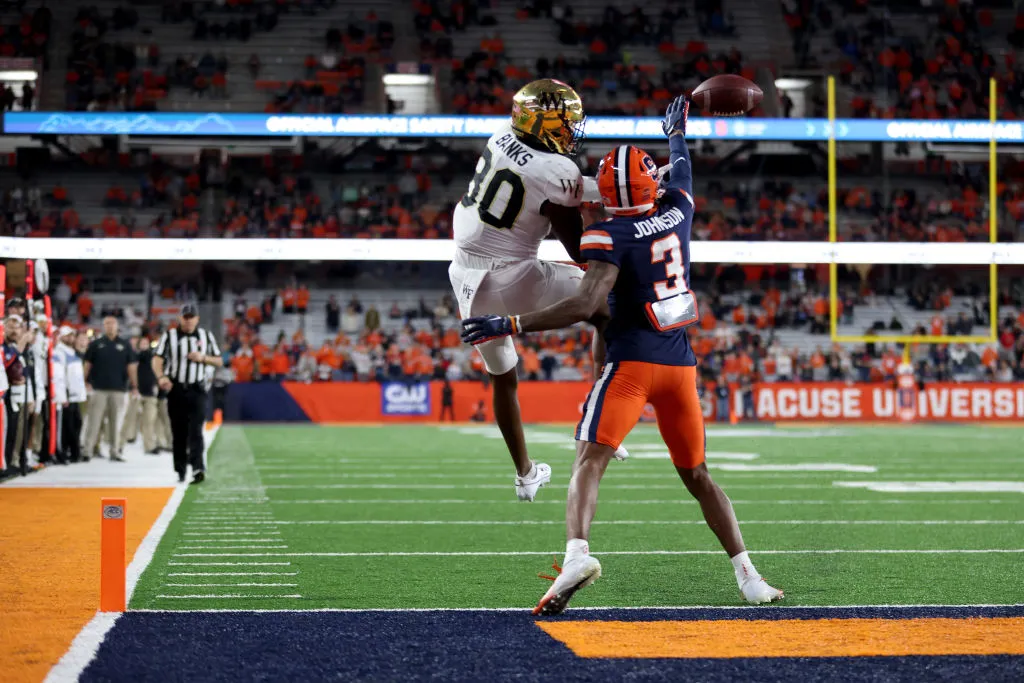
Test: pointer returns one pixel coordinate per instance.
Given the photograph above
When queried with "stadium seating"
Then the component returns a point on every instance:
(412, 313)
(198, 59)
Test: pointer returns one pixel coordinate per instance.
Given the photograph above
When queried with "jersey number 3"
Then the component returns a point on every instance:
(494, 181)
(667, 250)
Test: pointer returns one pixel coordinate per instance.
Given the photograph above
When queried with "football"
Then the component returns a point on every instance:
(726, 95)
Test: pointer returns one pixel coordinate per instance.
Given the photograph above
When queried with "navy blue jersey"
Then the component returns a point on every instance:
(653, 255)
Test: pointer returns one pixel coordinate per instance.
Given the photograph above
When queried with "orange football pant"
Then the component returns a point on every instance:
(617, 400)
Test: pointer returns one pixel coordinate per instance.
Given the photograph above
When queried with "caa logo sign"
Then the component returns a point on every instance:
(405, 399)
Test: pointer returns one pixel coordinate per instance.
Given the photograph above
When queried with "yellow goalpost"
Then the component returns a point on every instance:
(992, 232)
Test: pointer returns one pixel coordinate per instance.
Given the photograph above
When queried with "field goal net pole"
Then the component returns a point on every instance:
(993, 232)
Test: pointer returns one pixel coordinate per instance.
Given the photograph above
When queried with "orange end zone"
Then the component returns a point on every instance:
(790, 637)
(50, 560)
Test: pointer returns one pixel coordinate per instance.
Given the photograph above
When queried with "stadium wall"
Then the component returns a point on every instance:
(404, 402)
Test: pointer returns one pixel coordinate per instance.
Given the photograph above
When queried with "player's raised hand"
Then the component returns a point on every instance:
(487, 327)
(675, 116)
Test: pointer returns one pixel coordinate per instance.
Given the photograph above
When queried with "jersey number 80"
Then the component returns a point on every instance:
(503, 176)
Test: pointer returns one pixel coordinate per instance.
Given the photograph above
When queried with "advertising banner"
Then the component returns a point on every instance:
(401, 398)
(938, 402)
(220, 124)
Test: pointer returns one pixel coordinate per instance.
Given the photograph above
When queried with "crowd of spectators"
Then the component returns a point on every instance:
(484, 80)
(28, 37)
(385, 194)
(737, 339)
(942, 72)
(107, 73)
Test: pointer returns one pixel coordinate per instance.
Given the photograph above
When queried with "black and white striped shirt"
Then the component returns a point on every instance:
(174, 348)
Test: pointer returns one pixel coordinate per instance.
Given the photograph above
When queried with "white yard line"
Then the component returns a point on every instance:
(232, 574)
(230, 596)
(631, 608)
(231, 564)
(627, 522)
(687, 500)
(232, 547)
(548, 553)
(228, 585)
(605, 487)
(230, 534)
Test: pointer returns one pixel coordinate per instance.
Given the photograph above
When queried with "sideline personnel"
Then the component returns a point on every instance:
(110, 367)
(184, 363)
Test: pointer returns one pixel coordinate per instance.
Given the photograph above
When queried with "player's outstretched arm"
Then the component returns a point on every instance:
(567, 224)
(674, 126)
(589, 300)
(582, 306)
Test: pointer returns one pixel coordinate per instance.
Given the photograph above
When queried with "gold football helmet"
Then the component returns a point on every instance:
(551, 113)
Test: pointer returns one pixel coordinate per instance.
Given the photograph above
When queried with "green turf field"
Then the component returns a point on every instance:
(420, 516)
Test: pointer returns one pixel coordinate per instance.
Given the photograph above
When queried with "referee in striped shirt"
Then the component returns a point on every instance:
(184, 364)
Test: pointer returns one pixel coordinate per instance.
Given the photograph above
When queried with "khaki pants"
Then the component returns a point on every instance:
(130, 431)
(156, 425)
(109, 405)
(36, 441)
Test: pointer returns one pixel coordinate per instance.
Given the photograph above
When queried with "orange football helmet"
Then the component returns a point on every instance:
(628, 181)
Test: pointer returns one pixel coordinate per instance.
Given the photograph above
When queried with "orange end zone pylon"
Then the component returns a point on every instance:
(113, 541)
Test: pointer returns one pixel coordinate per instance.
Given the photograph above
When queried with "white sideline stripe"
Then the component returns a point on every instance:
(88, 641)
(230, 596)
(228, 585)
(629, 608)
(684, 522)
(232, 574)
(83, 648)
(645, 501)
(231, 564)
(546, 553)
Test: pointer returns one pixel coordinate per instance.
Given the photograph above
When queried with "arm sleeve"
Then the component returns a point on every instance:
(161, 348)
(681, 172)
(598, 245)
(562, 182)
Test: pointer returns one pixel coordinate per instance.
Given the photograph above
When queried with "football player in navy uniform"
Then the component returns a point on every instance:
(638, 261)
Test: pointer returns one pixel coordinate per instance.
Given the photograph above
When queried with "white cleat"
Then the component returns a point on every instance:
(526, 487)
(756, 591)
(577, 574)
(621, 453)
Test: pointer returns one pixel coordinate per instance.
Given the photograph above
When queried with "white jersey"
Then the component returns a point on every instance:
(499, 217)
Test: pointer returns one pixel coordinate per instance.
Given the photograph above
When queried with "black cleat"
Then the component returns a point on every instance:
(199, 478)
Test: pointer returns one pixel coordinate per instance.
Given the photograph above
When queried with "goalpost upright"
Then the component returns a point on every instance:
(833, 237)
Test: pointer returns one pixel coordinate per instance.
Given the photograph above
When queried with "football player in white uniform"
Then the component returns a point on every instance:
(526, 186)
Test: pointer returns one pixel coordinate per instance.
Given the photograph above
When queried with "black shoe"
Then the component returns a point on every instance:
(155, 451)
(199, 478)
(181, 477)
(116, 457)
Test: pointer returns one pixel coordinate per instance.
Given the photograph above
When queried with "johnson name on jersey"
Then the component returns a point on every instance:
(499, 216)
(651, 302)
